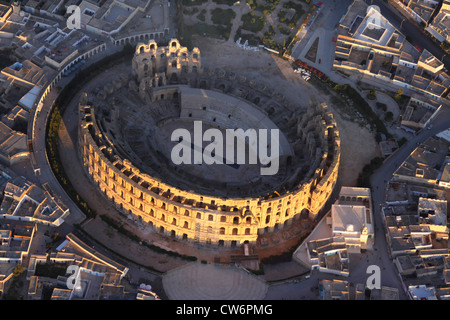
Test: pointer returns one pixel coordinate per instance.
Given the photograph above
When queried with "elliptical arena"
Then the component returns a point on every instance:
(125, 131)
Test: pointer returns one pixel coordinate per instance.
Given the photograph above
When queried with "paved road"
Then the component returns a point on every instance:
(307, 288)
(45, 174)
(413, 31)
(324, 27)
(384, 174)
(333, 11)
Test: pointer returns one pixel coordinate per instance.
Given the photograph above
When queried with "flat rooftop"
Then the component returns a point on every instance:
(375, 28)
(347, 218)
(115, 13)
(373, 31)
(354, 16)
(426, 160)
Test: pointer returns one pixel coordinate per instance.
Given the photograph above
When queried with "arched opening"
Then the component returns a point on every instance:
(304, 214)
(222, 230)
(174, 77)
(221, 87)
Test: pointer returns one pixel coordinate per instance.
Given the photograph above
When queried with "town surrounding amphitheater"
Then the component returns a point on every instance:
(124, 139)
(226, 150)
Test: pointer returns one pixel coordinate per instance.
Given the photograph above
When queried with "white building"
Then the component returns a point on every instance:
(422, 292)
(352, 218)
(440, 26)
(433, 212)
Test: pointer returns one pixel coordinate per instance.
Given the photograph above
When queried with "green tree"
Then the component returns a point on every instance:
(18, 270)
(399, 94)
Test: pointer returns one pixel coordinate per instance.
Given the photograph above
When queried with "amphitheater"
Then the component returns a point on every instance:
(125, 129)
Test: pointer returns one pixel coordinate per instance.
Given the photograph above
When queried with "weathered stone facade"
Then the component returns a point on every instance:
(157, 66)
(195, 216)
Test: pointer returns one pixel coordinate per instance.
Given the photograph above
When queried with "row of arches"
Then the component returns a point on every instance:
(137, 200)
(169, 215)
(278, 211)
(141, 37)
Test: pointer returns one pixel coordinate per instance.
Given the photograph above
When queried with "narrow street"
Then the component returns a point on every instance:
(411, 30)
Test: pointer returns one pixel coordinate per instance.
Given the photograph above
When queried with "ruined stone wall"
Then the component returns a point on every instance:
(159, 65)
(207, 219)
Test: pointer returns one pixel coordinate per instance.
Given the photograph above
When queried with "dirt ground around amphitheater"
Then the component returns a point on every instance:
(357, 148)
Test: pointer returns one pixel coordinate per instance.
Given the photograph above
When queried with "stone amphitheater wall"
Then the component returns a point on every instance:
(190, 216)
